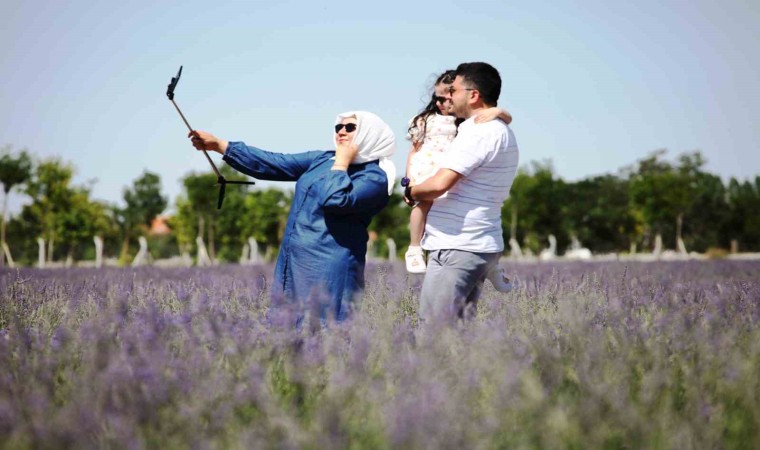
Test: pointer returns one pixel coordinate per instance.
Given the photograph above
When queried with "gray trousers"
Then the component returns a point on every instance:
(452, 284)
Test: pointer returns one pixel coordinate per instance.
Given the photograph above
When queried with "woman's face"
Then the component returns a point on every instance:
(443, 100)
(342, 135)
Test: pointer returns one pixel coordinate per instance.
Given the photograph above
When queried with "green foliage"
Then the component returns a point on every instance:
(537, 201)
(743, 222)
(266, 212)
(82, 220)
(606, 213)
(144, 200)
(665, 194)
(63, 215)
(197, 209)
(598, 214)
(709, 211)
(162, 245)
(51, 198)
(246, 213)
(229, 221)
(391, 223)
(14, 170)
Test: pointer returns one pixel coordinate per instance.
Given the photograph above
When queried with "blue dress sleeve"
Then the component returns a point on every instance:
(265, 165)
(342, 194)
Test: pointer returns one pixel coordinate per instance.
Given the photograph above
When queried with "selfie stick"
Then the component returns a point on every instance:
(220, 180)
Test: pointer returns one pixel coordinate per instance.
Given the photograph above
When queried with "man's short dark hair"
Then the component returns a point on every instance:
(483, 77)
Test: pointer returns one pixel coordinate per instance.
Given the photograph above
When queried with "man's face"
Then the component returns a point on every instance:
(460, 98)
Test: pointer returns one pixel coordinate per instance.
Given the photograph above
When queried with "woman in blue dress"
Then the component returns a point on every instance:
(322, 256)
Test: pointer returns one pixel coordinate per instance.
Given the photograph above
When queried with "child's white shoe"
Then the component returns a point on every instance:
(499, 281)
(415, 260)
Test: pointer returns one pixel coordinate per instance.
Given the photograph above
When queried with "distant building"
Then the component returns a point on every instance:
(158, 226)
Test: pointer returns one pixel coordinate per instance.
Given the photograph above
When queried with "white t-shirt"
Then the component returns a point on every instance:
(469, 217)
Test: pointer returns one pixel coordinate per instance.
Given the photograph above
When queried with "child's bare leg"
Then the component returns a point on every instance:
(415, 258)
(417, 220)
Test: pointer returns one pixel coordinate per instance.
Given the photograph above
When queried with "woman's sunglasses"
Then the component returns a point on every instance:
(439, 99)
(350, 127)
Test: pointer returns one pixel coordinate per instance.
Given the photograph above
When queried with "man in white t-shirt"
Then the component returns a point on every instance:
(463, 232)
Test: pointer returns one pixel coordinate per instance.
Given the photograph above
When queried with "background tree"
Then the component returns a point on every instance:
(228, 235)
(14, 171)
(184, 224)
(685, 186)
(708, 212)
(607, 213)
(515, 205)
(143, 202)
(539, 200)
(392, 222)
(266, 213)
(598, 213)
(51, 196)
(743, 222)
(649, 185)
(197, 214)
(80, 222)
(666, 194)
(202, 195)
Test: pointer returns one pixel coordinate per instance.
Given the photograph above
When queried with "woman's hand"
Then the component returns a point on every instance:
(206, 141)
(490, 114)
(345, 152)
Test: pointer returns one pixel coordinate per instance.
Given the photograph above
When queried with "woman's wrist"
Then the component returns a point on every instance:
(336, 166)
(222, 146)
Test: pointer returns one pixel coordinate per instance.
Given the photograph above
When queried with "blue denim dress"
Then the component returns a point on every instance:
(323, 250)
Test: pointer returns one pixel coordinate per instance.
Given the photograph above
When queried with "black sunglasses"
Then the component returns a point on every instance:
(452, 89)
(439, 99)
(350, 127)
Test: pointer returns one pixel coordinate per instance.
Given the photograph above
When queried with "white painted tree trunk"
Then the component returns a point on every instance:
(244, 256)
(254, 257)
(142, 255)
(41, 253)
(203, 259)
(657, 245)
(268, 255)
(187, 260)
(681, 246)
(550, 253)
(98, 251)
(50, 244)
(391, 249)
(514, 249)
(8, 257)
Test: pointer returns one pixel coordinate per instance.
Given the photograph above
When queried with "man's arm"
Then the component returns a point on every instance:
(433, 187)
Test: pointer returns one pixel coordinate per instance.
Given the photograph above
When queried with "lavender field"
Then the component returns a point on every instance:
(581, 356)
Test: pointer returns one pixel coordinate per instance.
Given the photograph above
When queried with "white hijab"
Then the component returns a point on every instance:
(375, 140)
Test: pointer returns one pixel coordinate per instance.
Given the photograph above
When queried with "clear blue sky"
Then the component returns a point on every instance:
(592, 85)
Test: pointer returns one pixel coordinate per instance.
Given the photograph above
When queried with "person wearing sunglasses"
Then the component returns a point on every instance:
(321, 260)
(431, 133)
(463, 231)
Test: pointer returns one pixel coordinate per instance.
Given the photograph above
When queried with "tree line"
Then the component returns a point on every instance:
(620, 212)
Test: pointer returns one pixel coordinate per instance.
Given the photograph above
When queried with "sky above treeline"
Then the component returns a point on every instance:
(593, 86)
